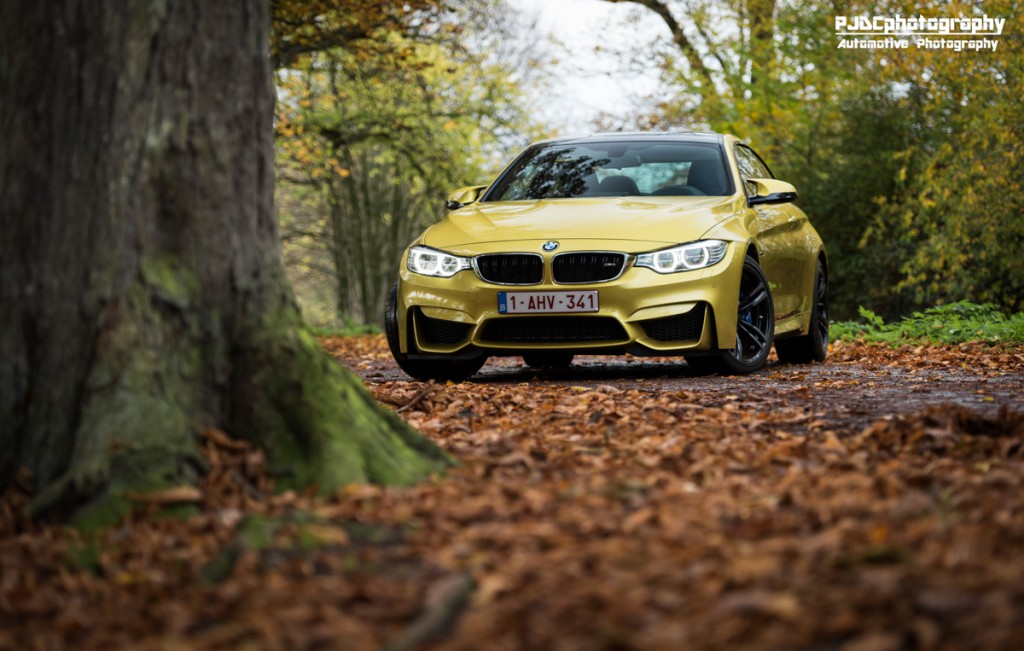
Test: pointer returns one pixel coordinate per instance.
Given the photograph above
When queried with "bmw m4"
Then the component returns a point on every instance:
(653, 244)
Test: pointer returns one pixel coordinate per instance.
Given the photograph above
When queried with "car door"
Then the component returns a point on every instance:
(778, 230)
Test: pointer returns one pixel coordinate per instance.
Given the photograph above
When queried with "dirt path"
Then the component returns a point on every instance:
(858, 385)
(874, 503)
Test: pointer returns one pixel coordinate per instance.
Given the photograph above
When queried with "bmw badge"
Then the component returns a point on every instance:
(550, 246)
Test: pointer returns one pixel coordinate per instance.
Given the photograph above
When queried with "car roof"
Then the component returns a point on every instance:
(654, 136)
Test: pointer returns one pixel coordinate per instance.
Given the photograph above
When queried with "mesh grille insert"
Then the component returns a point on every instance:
(511, 268)
(439, 331)
(587, 267)
(680, 327)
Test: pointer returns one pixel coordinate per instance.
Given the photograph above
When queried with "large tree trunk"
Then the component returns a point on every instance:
(143, 294)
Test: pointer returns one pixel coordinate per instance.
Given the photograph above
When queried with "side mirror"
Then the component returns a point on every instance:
(464, 196)
(768, 191)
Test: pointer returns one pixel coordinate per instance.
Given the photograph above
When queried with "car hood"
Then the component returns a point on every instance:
(646, 221)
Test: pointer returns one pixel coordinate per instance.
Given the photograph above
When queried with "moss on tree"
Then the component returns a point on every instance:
(142, 285)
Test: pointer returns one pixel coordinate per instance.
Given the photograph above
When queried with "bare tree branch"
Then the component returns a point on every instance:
(698, 24)
(679, 37)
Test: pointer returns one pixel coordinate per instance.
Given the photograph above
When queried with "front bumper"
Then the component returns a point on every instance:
(641, 312)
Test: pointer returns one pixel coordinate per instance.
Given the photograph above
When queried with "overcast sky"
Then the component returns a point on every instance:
(593, 74)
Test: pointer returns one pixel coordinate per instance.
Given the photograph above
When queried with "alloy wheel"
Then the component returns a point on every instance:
(821, 300)
(754, 320)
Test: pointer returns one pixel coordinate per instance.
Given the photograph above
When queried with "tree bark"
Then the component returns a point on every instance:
(143, 294)
(762, 42)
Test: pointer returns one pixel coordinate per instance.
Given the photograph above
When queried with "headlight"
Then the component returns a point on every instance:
(696, 255)
(431, 262)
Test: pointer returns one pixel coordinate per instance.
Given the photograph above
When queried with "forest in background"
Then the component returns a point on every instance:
(907, 161)
(373, 132)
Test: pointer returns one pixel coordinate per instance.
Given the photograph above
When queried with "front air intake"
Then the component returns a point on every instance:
(553, 330)
(590, 267)
(511, 268)
(680, 327)
(441, 332)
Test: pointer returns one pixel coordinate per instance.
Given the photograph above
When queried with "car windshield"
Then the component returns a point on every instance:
(614, 169)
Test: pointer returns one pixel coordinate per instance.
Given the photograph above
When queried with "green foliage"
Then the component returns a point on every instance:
(955, 323)
(300, 27)
(958, 210)
(372, 134)
(85, 555)
(906, 160)
(348, 329)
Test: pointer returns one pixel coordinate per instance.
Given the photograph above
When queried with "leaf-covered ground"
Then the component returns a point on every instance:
(874, 502)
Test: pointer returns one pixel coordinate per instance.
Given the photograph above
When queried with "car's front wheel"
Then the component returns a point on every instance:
(755, 328)
(755, 322)
(813, 346)
(443, 370)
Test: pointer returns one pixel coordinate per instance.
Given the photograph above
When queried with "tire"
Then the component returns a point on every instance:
(442, 370)
(813, 346)
(755, 323)
(755, 328)
(756, 309)
(548, 359)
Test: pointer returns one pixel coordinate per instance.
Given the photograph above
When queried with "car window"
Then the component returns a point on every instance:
(614, 169)
(750, 164)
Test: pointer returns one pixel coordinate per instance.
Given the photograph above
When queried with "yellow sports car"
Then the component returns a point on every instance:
(647, 244)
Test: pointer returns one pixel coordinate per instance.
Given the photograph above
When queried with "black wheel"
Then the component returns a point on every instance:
(813, 346)
(548, 359)
(755, 329)
(755, 323)
(442, 370)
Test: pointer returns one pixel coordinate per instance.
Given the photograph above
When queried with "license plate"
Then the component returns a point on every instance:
(546, 302)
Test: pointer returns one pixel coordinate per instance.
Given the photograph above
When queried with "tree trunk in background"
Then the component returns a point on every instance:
(761, 14)
(142, 290)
